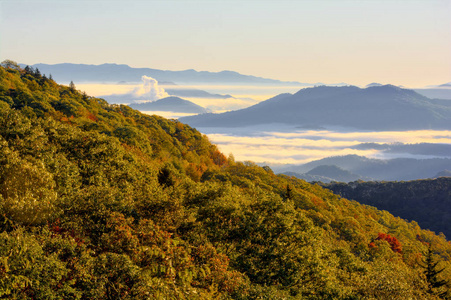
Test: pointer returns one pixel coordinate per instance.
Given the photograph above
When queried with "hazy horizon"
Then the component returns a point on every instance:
(358, 42)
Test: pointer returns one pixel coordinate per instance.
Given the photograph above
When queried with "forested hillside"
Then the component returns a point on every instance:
(100, 201)
(426, 201)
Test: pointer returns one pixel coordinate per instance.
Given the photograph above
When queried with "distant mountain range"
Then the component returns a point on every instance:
(375, 108)
(172, 104)
(336, 168)
(191, 93)
(328, 173)
(442, 91)
(194, 93)
(444, 173)
(445, 85)
(423, 149)
(435, 93)
(123, 73)
(373, 84)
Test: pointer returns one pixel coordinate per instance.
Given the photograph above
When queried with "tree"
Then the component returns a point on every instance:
(37, 73)
(27, 191)
(29, 70)
(268, 169)
(9, 64)
(289, 192)
(72, 86)
(436, 286)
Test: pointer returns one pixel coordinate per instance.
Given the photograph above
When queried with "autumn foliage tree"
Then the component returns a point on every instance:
(395, 245)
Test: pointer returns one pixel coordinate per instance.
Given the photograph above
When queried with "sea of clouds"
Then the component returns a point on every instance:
(290, 145)
(276, 143)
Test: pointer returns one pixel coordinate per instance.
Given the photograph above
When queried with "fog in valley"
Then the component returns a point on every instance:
(280, 144)
(277, 144)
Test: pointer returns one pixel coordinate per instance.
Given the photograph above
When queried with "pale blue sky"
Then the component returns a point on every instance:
(400, 42)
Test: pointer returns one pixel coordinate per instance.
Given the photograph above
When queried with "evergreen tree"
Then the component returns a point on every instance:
(37, 73)
(29, 70)
(436, 286)
(289, 193)
(72, 86)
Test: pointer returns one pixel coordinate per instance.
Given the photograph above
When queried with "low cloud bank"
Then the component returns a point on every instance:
(298, 147)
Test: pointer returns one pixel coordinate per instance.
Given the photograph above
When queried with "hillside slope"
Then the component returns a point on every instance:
(426, 201)
(99, 201)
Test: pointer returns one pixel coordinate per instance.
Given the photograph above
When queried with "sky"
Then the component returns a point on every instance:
(402, 42)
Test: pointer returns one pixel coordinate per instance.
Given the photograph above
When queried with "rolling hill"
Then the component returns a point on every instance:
(174, 104)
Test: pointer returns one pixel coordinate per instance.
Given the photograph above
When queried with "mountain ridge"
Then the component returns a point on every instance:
(391, 169)
(374, 108)
(172, 103)
(65, 72)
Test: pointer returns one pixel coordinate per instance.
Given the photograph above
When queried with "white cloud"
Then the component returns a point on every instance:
(150, 89)
(168, 114)
(416, 136)
(298, 147)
